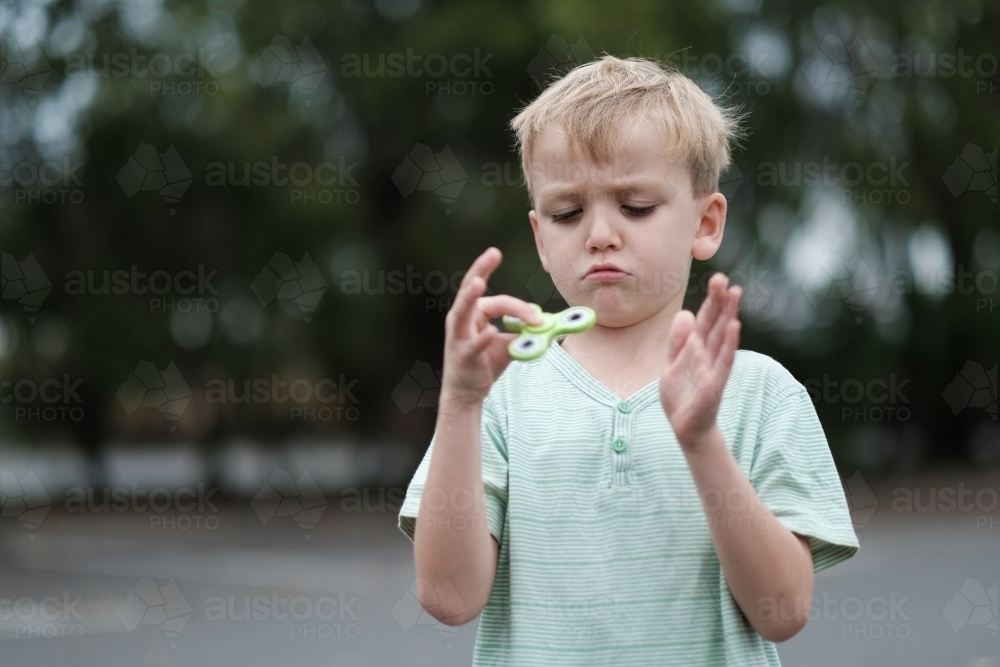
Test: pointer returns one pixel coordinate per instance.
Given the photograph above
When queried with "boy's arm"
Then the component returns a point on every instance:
(455, 554)
(456, 557)
(766, 565)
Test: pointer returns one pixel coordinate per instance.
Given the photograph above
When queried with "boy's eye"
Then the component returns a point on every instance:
(638, 210)
(568, 215)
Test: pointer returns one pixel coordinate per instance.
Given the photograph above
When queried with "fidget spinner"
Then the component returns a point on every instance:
(535, 339)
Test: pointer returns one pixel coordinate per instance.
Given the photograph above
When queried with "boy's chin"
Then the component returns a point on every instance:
(617, 312)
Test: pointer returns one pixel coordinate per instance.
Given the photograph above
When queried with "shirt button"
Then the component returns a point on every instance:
(624, 407)
(619, 445)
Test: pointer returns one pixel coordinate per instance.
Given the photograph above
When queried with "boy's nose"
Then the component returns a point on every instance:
(603, 232)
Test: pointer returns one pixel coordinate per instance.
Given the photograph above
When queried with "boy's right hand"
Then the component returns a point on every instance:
(475, 351)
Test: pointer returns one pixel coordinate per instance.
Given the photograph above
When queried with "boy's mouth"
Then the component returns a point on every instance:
(605, 272)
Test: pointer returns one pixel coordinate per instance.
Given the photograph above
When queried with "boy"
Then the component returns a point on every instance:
(644, 493)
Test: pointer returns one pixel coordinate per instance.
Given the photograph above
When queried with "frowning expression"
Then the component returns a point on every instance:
(619, 237)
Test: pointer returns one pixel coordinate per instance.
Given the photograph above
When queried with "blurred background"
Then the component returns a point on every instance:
(231, 230)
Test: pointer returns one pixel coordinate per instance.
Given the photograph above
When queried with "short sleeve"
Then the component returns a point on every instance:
(796, 478)
(494, 468)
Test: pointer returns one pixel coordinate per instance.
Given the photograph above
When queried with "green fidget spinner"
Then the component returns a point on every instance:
(535, 339)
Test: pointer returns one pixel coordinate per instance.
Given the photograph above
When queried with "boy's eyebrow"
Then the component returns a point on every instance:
(624, 185)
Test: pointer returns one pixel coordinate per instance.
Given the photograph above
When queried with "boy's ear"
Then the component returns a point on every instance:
(711, 224)
(538, 240)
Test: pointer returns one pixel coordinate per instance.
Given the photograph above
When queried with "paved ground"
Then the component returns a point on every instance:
(109, 589)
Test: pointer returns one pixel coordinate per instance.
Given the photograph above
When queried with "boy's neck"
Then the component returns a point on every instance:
(625, 359)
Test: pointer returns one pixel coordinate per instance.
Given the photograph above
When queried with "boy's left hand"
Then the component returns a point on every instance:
(700, 354)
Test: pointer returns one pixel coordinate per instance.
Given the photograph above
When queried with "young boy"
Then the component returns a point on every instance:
(644, 493)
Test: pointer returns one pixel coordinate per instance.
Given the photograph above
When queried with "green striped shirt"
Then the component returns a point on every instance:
(605, 551)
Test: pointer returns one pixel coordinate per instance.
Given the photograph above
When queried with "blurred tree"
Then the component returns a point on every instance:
(290, 193)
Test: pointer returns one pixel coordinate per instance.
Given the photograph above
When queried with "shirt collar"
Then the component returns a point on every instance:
(582, 378)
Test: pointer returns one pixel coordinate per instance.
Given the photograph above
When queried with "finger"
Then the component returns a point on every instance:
(680, 329)
(703, 382)
(483, 340)
(731, 342)
(505, 304)
(483, 265)
(731, 304)
(721, 305)
(707, 310)
(681, 365)
(491, 336)
(465, 306)
(712, 305)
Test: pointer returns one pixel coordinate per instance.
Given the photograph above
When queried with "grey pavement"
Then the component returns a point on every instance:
(227, 587)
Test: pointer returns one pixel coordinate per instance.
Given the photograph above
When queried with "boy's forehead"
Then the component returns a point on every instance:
(558, 160)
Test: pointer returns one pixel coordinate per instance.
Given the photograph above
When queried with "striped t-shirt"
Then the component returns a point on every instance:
(605, 552)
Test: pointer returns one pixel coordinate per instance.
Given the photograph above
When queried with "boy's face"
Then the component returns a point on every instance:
(637, 212)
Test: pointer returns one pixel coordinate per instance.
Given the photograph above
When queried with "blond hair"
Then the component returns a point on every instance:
(592, 103)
